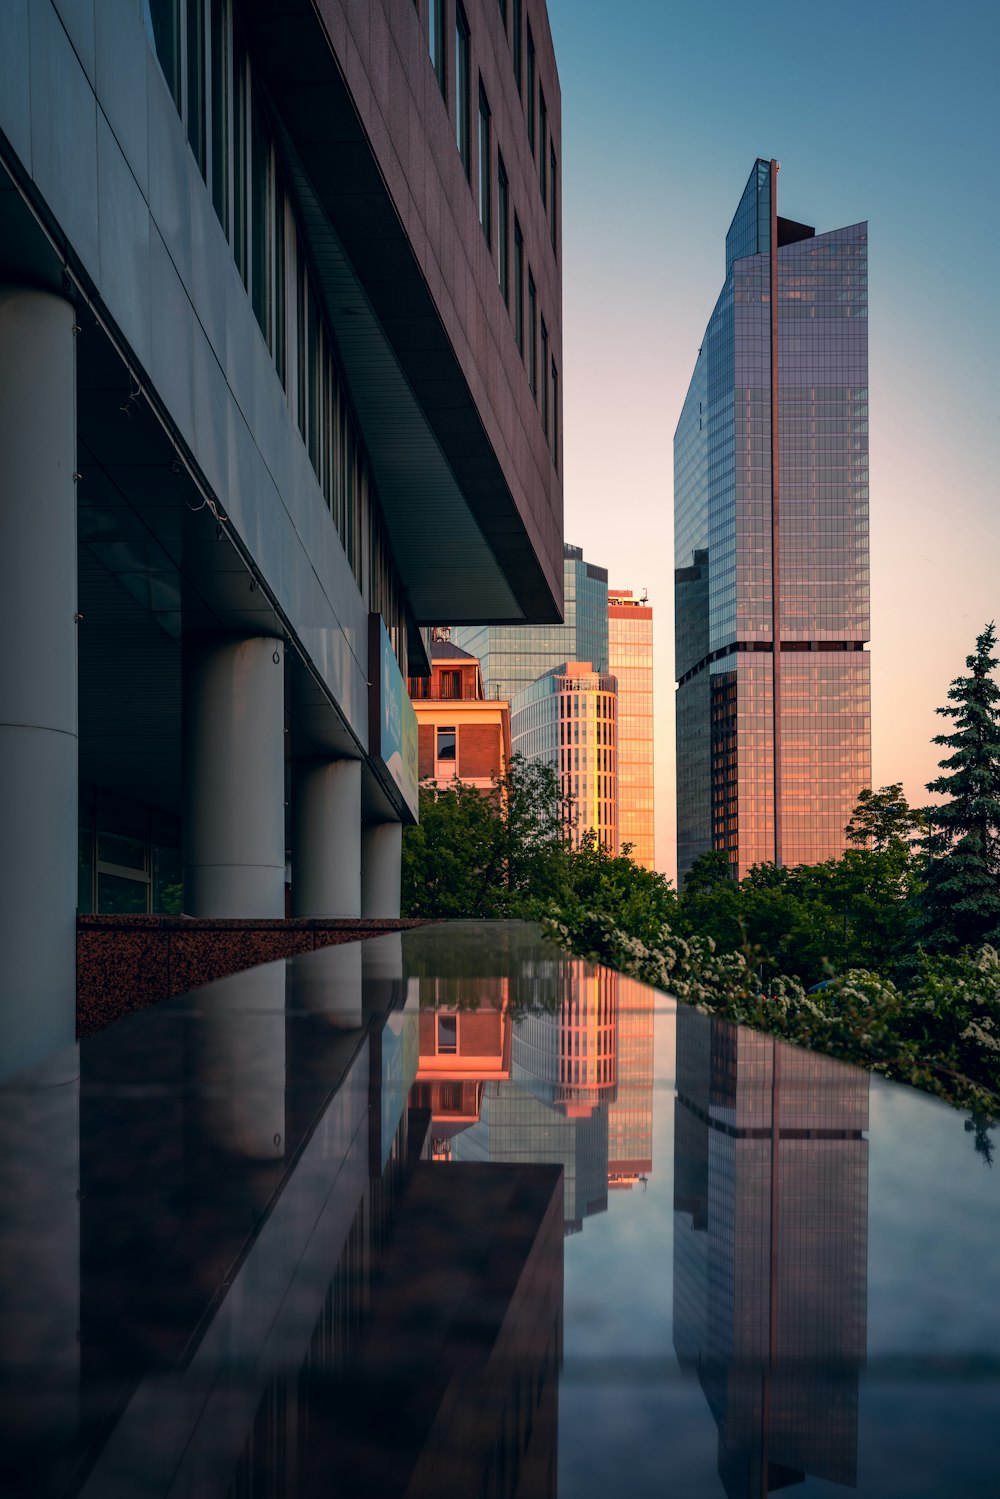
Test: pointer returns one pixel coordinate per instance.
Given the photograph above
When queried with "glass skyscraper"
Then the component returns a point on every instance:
(514, 656)
(771, 547)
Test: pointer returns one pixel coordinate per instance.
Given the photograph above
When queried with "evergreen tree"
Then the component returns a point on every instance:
(961, 901)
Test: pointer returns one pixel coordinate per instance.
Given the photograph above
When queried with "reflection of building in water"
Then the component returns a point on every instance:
(211, 1259)
(568, 1056)
(770, 1250)
(515, 1126)
(563, 1077)
(630, 1115)
(464, 1044)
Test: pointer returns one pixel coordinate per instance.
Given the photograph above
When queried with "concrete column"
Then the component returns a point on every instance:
(234, 777)
(328, 983)
(40, 1260)
(236, 1053)
(381, 868)
(38, 693)
(326, 839)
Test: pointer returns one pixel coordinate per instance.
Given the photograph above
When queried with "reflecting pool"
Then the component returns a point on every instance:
(450, 1213)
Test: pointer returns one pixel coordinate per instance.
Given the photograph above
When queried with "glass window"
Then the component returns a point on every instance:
(120, 896)
(552, 196)
(240, 86)
(555, 414)
(163, 23)
(435, 39)
(447, 1037)
(122, 851)
(85, 871)
(518, 287)
(532, 337)
(260, 220)
(543, 125)
(485, 162)
(515, 41)
(446, 741)
(220, 111)
(545, 378)
(280, 289)
(503, 228)
(168, 880)
(531, 91)
(462, 87)
(196, 80)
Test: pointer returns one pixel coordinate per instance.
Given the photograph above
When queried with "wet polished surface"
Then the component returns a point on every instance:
(450, 1213)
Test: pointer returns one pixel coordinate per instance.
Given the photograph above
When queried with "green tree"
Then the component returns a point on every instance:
(961, 901)
(488, 854)
(883, 820)
(637, 900)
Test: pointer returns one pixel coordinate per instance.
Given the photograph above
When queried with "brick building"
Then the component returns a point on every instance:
(462, 734)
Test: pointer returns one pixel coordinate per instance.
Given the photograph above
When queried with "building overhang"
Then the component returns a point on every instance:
(460, 537)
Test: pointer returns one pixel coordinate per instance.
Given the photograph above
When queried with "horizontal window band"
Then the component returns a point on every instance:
(765, 647)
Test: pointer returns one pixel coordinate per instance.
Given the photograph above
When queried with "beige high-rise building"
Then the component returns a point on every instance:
(630, 660)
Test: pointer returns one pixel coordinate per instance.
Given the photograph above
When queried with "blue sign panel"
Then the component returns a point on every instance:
(392, 722)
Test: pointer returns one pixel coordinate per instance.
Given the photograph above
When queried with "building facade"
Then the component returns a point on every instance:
(280, 359)
(568, 719)
(771, 547)
(462, 735)
(514, 657)
(630, 661)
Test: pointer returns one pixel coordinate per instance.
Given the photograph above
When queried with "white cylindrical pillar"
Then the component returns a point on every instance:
(328, 983)
(381, 868)
(39, 760)
(234, 777)
(236, 1047)
(326, 839)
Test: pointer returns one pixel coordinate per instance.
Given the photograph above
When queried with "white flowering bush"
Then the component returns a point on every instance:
(942, 1033)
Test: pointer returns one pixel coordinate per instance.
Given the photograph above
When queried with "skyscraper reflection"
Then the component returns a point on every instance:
(770, 1251)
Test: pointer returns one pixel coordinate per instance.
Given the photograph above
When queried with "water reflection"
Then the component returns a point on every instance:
(544, 1060)
(770, 1251)
(225, 1269)
(229, 1267)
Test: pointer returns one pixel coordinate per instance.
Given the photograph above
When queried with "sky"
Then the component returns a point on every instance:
(887, 112)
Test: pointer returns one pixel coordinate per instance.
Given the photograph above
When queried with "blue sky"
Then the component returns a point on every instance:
(886, 112)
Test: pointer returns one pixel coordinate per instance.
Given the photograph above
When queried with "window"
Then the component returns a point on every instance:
(196, 81)
(531, 91)
(446, 751)
(515, 41)
(260, 219)
(451, 685)
(462, 87)
(503, 228)
(220, 111)
(447, 1033)
(555, 415)
(435, 41)
(280, 290)
(163, 24)
(518, 287)
(545, 378)
(552, 196)
(240, 89)
(485, 161)
(532, 337)
(543, 125)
